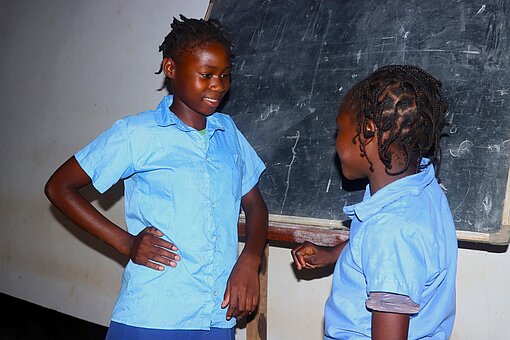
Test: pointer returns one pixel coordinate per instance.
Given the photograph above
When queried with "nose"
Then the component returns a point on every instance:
(218, 84)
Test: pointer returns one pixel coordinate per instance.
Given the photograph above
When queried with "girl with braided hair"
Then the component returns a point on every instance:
(395, 276)
(187, 169)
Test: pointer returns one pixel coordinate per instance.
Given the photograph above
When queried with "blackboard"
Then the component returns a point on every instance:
(295, 60)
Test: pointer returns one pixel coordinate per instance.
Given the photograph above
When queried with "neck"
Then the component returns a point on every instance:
(378, 179)
(192, 119)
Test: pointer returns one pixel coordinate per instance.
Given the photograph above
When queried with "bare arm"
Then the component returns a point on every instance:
(256, 213)
(389, 326)
(62, 189)
(242, 292)
(310, 256)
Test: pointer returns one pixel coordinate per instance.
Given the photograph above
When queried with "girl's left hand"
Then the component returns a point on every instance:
(242, 292)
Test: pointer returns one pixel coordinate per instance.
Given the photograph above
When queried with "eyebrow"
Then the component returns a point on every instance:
(215, 67)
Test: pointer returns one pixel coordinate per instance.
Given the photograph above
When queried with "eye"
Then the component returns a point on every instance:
(206, 75)
(225, 75)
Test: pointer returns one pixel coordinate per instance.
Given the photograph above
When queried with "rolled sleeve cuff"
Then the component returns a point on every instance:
(391, 303)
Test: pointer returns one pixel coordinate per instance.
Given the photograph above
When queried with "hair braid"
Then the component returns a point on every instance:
(407, 106)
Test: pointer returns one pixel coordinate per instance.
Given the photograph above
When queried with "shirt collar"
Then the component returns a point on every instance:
(407, 186)
(164, 117)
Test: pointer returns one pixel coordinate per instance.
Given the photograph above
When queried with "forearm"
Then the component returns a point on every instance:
(337, 250)
(256, 229)
(83, 214)
(62, 190)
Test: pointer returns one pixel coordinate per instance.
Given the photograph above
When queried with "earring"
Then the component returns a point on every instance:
(367, 133)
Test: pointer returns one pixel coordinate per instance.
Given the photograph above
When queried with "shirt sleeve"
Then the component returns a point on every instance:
(253, 166)
(108, 157)
(393, 259)
(391, 303)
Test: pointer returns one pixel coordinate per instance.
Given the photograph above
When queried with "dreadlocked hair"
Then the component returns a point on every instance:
(407, 106)
(189, 34)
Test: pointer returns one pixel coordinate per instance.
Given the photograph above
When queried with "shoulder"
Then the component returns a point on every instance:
(225, 120)
(398, 224)
(138, 126)
(140, 120)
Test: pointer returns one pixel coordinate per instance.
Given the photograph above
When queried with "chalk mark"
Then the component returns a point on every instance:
(289, 166)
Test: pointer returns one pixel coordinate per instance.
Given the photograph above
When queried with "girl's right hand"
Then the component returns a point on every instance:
(310, 256)
(150, 250)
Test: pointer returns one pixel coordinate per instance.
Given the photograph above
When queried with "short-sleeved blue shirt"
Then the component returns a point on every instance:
(189, 188)
(402, 241)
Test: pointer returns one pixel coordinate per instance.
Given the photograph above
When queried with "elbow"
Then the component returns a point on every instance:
(49, 189)
(55, 189)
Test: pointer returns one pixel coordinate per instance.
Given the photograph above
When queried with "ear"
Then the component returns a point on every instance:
(168, 65)
(369, 129)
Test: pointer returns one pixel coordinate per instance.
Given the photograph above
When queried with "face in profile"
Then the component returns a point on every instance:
(354, 166)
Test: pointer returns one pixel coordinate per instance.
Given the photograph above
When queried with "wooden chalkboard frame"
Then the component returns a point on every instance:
(323, 231)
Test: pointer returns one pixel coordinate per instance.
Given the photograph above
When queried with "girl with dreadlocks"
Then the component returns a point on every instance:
(187, 170)
(395, 276)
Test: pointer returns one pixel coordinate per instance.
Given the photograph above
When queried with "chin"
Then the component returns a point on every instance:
(350, 176)
(207, 111)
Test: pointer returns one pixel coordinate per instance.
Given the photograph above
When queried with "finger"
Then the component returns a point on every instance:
(163, 243)
(243, 314)
(241, 306)
(159, 251)
(226, 296)
(153, 265)
(164, 260)
(154, 231)
(157, 234)
(300, 260)
(231, 311)
(255, 301)
(232, 306)
(296, 260)
(250, 304)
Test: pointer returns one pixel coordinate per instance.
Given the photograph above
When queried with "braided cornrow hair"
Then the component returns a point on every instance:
(189, 34)
(407, 106)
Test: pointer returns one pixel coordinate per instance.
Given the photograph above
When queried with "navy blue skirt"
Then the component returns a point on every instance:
(118, 331)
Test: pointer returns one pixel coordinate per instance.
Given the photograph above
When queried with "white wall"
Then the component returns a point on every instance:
(69, 69)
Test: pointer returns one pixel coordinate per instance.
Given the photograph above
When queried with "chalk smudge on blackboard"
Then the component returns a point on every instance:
(463, 149)
(289, 166)
(462, 18)
(470, 51)
(481, 10)
(272, 109)
(487, 203)
(461, 202)
(323, 43)
(494, 148)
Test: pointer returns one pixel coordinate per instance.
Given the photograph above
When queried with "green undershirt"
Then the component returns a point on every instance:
(204, 134)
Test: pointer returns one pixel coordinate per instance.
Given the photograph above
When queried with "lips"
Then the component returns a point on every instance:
(214, 102)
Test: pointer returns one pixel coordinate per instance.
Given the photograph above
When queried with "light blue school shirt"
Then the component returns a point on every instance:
(190, 190)
(402, 241)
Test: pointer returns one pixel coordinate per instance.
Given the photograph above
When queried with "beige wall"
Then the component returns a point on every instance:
(69, 69)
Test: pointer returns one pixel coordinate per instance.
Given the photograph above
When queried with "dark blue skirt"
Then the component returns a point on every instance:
(118, 331)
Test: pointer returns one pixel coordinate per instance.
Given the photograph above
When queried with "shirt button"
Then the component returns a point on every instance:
(215, 293)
